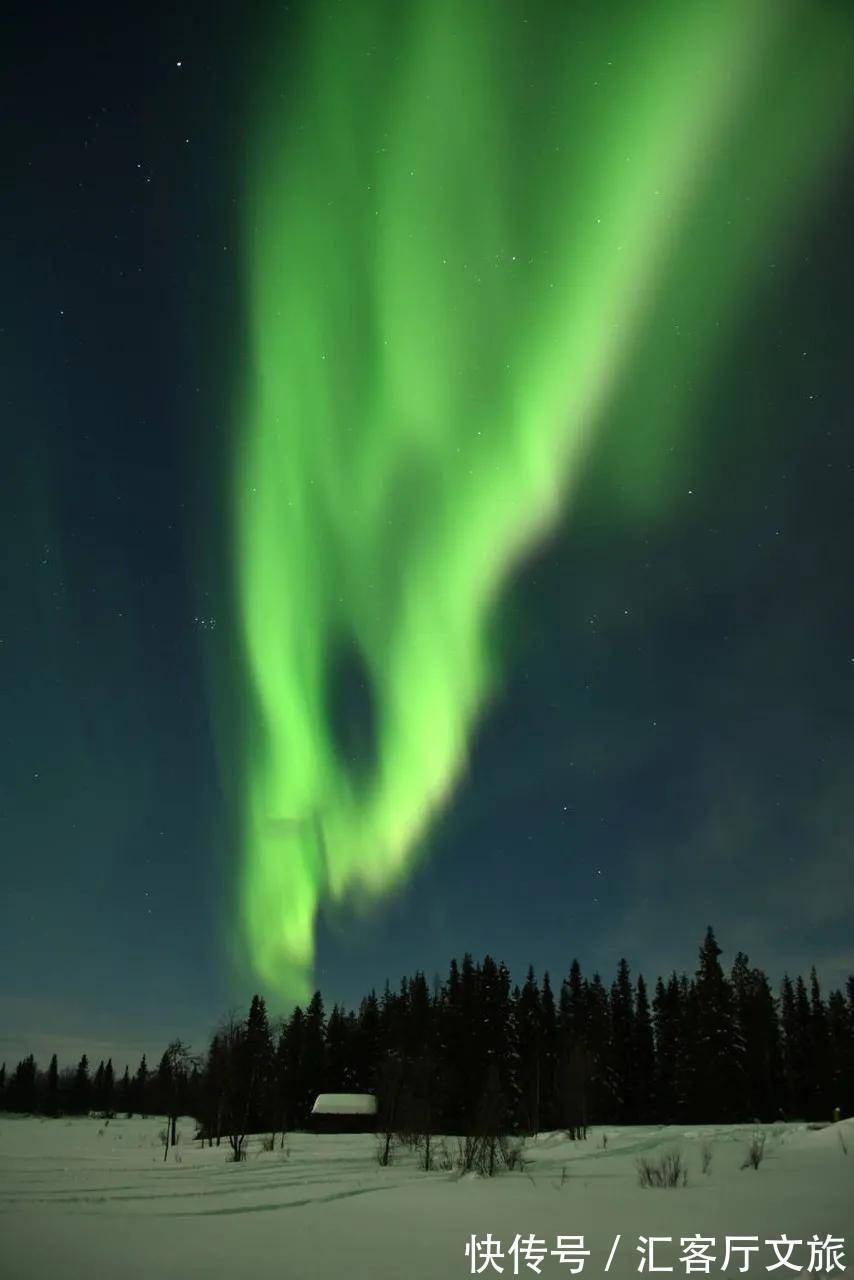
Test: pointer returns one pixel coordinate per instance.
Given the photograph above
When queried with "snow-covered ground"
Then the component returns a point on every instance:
(86, 1198)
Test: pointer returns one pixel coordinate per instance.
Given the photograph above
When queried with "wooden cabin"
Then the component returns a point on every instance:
(343, 1113)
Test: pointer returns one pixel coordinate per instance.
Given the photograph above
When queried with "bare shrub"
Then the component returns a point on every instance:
(512, 1152)
(385, 1148)
(269, 1144)
(668, 1171)
(706, 1157)
(422, 1143)
(756, 1151)
(465, 1153)
(444, 1159)
(490, 1154)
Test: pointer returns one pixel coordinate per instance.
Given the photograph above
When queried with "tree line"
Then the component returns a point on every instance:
(476, 1054)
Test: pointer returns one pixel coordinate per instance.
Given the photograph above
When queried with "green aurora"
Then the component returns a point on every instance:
(468, 227)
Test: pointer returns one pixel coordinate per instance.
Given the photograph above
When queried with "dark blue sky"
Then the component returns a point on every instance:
(674, 741)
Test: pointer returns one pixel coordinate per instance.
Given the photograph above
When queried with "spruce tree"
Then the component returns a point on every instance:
(125, 1098)
(52, 1092)
(98, 1088)
(818, 1040)
(293, 1089)
(840, 1029)
(529, 1024)
(140, 1088)
(21, 1092)
(720, 1094)
(643, 1055)
(667, 1026)
(366, 1044)
(758, 1022)
(313, 1055)
(339, 1073)
(214, 1091)
(171, 1085)
(796, 1047)
(599, 1043)
(467, 1058)
(496, 1046)
(574, 1059)
(451, 1049)
(622, 1046)
(258, 1067)
(549, 1055)
(419, 1020)
(80, 1088)
(108, 1087)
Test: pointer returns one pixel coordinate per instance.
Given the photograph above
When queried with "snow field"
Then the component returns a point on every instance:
(85, 1198)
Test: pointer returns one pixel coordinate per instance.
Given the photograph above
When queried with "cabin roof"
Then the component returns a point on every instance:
(345, 1104)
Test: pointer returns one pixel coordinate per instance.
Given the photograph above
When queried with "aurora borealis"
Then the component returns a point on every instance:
(426, 498)
(466, 230)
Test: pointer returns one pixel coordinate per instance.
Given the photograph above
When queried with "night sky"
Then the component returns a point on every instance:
(646, 725)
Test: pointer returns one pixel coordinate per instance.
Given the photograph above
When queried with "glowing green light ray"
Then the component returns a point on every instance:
(455, 235)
